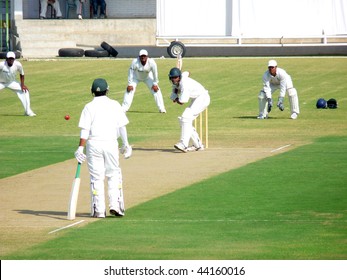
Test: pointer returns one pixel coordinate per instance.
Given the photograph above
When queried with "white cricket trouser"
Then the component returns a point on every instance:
(188, 131)
(129, 96)
(56, 7)
(24, 97)
(292, 96)
(103, 161)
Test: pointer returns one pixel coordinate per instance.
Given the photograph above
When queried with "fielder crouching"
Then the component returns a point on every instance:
(277, 78)
(101, 122)
(184, 89)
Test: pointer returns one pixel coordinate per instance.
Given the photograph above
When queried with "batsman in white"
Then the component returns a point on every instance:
(184, 89)
(277, 78)
(8, 71)
(101, 121)
(143, 69)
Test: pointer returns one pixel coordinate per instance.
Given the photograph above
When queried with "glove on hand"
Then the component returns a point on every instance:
(280, 105)
(79, 155)
(269, 105)
(173, 96)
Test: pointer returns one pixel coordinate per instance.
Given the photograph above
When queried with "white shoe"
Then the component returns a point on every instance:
(163, 111)
(80, 17)
(99, 215)
(262, 117)
(294, 116)
(30, 114)
(181, 147)
(126, 151)
(118, 213)
(193, 148)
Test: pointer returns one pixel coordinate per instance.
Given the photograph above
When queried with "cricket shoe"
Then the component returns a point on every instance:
(99, 215)
(262, 117)
(117, 213)
(193, 148)
(179, 146)
(162, 111)
(30, 114)
(294, 116)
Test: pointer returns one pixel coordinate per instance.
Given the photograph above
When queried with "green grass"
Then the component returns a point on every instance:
(291, 206)
(291, 209)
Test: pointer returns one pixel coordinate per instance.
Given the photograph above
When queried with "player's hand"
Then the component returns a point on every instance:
(24, 88)
(130, 88)
(79, 155)
(155, 88)
(269, 105)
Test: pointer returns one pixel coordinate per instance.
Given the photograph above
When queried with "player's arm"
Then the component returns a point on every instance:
(23, 86)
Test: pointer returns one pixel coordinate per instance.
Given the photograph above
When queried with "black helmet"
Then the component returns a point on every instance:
(332, 103)
(99, 86)
(175, 72)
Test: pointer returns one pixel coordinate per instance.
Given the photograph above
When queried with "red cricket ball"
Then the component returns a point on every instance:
(67, 117)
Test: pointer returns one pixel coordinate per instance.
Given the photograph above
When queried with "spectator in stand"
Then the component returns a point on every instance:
(102, 4)
(56, 7)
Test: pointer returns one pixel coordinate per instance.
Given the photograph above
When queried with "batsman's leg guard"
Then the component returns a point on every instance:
(115, 194)
(186, 126)
(196, 139)
(98, 207)
(293, 101)
(128, 99)
(262, 102)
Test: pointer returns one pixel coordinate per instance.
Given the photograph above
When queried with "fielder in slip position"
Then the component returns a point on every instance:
(185, 88)
(143, 69)
(8, 71)
(277, 78)
(102, 121)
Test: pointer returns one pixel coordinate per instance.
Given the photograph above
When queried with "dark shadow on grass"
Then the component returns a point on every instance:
(255, 118)
(51, 214)
(155, 150)
(143, 112)
(12, 115)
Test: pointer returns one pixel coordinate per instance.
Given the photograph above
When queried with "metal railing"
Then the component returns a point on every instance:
(237, 41)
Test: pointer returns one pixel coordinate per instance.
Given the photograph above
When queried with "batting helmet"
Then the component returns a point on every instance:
(175, 72)
(332, 103)
(321, 103)
(99, 86)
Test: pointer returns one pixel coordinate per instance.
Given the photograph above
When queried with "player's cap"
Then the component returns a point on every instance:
(10, 55)
(143, 52)
(99, 85)
(272, 63)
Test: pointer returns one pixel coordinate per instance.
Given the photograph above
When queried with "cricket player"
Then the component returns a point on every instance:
(101, 121)
(143, 69)
(277, 78)
(8, 71)
(185, 89)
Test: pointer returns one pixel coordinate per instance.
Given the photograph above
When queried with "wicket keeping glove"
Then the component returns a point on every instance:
(79, 155)
(280, 104)
(269, 105)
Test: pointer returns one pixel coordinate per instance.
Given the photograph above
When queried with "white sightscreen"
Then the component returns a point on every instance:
(251, 18)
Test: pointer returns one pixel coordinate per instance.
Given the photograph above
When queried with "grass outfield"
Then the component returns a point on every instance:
(291, 206)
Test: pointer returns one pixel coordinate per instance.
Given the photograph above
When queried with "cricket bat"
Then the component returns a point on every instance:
(179, 62)
(71, 213)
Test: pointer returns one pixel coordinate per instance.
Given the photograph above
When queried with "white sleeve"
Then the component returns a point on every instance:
(131, 72)
(154, 71)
